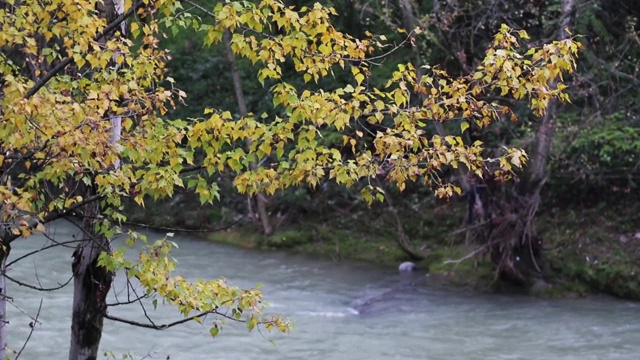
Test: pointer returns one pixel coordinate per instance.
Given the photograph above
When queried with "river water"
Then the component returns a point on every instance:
(341, 311)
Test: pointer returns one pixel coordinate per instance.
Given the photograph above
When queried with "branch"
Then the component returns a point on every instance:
(172, 229)
(368, 60)
(144, 310)
(64, 63)
(468, 256)
(154, 326)
(128, 302)
(38, 288)
(42, 249)
(7, 235)
(32, 325)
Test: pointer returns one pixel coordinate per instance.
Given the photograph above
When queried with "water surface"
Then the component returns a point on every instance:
(341, 311)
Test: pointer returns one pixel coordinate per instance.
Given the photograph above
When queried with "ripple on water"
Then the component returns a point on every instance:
(322, 299)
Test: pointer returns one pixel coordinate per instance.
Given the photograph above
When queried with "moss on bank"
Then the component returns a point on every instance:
(597, 249)
(318, 239)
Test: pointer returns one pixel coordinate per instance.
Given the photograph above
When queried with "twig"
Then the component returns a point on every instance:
(32, 325)
(144, 310)
(164, 228)
(33, 287)
(154, 326)
(42, 249)
(129, 287)
(469, 255)
(368, 60)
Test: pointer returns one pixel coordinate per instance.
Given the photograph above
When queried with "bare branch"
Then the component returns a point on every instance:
(154, 326)
(128, 302)
(164, 228)
(38, 288)
(468, 256)
(42, 249)
(32, 325)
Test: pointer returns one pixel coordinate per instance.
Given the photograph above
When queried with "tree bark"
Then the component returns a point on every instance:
(91, 284)
(242, 107)
(4, 253)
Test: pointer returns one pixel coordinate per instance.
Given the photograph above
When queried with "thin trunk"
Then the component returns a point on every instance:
(242, 107)
(544, 135)
(409, 22)
(4, 253)
(91, 284)
(116, 121)
(116, 134)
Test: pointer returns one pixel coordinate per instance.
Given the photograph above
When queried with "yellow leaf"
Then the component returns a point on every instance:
(464, 126)
(135, 29)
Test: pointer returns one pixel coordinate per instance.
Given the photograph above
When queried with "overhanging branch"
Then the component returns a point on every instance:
(9, 233)
(154, 326)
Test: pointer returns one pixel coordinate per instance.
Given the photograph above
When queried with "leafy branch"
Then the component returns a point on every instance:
(69, 60)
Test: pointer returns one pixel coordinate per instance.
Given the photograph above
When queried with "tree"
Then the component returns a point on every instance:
(65, 79)
(530, 189)
(60, 157)
(505, 215)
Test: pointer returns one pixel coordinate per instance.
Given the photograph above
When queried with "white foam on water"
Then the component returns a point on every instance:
(329, 313)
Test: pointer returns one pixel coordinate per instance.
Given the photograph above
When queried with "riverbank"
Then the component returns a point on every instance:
(586, 251)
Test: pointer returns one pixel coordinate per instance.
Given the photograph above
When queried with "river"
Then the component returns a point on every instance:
(341, 311)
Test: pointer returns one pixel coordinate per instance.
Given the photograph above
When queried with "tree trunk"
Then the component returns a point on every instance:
(4, 253)
(242, 107)
(91, 284)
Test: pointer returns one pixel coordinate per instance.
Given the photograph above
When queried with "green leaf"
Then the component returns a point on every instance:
(214, 331)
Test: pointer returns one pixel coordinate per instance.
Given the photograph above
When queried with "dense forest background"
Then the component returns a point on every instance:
(585, 206)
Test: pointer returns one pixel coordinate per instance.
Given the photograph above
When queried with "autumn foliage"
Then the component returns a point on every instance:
(62, 79)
